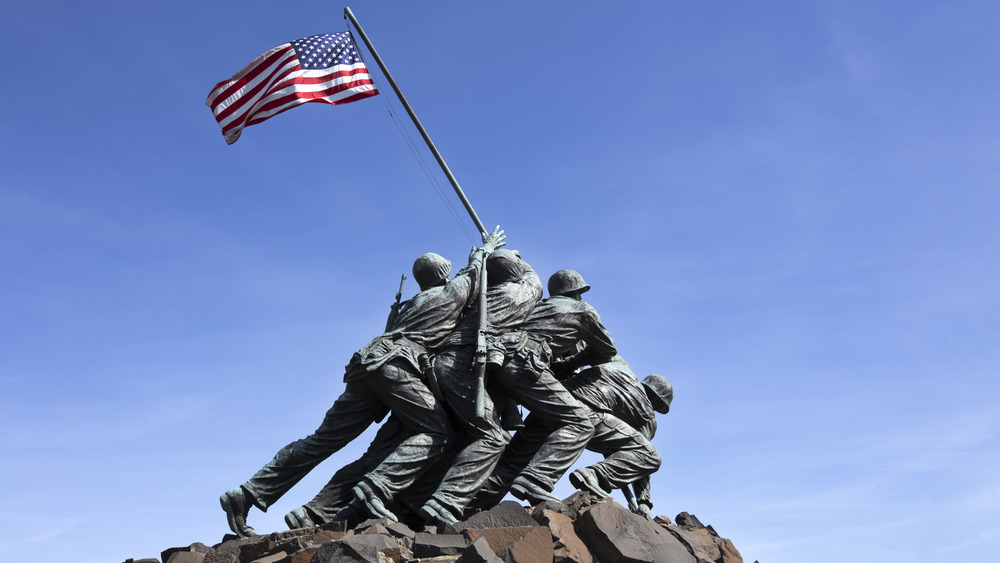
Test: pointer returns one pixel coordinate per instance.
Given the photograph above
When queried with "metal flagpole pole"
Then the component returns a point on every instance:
(481, 352)
(423, 133)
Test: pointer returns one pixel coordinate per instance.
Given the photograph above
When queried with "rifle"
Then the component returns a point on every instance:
(395, 306)
(633, 505)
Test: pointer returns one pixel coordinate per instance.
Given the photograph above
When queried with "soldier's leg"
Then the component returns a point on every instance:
(354, 411)
(336, 494)
(410, 501)
(564, 420)
(628, 454)
(430, 432)
(518, 454)
(486, 439)
(350, 415)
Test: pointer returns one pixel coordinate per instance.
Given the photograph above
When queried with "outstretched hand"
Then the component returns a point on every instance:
(494, 240)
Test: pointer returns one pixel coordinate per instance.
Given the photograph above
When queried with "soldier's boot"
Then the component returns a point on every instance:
(586, 480)
(299, 518)
(526, 491)
(234, 502)
(373, 505)
(434, 513)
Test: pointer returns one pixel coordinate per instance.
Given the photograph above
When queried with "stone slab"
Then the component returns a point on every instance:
(507, 514)
(614, 534)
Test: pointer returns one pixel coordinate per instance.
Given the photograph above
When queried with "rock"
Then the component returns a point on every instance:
(185, 557)
(246, 550)
(479, 552)
(533, 547)
(260, 550)
(404, 534)
(729, 552)
(196, 547)
(603, 532)
(524, 544)
(568, 547)
(380, 545)
(507, 514)
(685, 519)
(699, 542)
(255, 548)
(304, 555)
(365, 547)
(326, 536)
(376, 528)
(499, 539)
(378, 524)
(582, 500)
(435, 545)
(614, 534)
(559, 507)
(225, 552)
(217, 557)
(400, 530)
(716, 548)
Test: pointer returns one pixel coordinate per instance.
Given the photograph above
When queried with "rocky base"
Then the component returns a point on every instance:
(578, 530)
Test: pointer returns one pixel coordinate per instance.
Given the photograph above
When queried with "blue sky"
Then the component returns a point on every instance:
(787, 208)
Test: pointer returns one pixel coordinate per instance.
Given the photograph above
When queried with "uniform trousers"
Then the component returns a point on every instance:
(396, 387)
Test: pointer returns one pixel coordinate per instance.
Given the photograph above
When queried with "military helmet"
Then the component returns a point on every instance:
(503, 266)
(564, 282)
(659, 388)
(430, 270)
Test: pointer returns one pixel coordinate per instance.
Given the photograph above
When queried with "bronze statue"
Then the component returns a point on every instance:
(383, 376)
(513, 289)
(556, 328)
(624, 415)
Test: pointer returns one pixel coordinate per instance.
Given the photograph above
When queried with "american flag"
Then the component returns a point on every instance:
(322, 68)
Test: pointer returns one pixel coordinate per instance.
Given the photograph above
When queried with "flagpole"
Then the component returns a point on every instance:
(413, 116)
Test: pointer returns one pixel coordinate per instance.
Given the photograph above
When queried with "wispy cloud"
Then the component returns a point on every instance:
(985, 536)
(58, 530)
(847, 533)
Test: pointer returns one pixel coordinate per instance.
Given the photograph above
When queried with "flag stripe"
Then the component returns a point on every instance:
(244, 93)
(261, 65)
(244, 101)
(275, 106)
(298, 102)
(294, 88)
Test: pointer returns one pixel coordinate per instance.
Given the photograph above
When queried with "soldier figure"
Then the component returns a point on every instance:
(560, 425)
(623, 411)
(513, 289)
(660, 394)
(383, 376)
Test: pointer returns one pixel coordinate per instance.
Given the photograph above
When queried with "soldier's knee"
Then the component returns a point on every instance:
(654, 458)
(496, 438)
(585, 426)
(431, 440)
